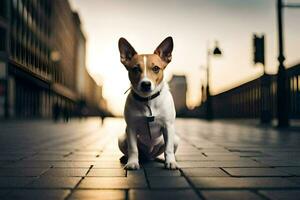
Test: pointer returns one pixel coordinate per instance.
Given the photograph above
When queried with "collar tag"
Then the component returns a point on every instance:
(150, 118)
(150, 123)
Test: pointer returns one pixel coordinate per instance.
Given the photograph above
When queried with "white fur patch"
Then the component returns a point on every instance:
(145, 65)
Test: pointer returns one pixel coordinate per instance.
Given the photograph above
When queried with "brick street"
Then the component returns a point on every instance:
(80, 160)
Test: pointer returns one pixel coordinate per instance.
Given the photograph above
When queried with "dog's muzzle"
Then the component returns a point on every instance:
(146, 86)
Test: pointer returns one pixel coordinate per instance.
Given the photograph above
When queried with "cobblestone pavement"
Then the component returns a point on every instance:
(80, 160)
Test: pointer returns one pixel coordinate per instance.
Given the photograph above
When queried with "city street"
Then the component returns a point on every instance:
(80, 160)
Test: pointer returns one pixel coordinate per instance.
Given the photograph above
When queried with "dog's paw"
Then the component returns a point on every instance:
(171, 165)
(132, 166)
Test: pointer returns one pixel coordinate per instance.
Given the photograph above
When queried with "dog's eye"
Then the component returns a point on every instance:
(136, 69)
(155, 69)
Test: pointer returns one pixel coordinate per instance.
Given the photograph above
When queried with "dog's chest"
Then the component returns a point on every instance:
(137, 116)
(147, 120)
(150, 120)
(148, 132)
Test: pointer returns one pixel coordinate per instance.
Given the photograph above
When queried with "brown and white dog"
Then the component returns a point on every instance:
(149, 111)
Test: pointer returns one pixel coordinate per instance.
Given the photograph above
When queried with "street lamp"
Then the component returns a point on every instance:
(282, 82)
(215, 52)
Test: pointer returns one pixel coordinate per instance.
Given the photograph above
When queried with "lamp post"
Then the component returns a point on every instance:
(215, 52)
(282, 82)
(282, 99)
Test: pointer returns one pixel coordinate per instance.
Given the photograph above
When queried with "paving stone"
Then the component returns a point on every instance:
(108, 164)
(190, 157)
(22, 172)
(112, 183)
(162, 194)
(295, 179)
(220, 153)
(107, 172)
(161, 172)
(205, 172)
(47, 158)
(197, 164)
(230, 195)
(209, 158)
(53, 152)
(154, 164)
(186, 147)
(87, 152)
(11, 157)
(22, 194)
(135, 173)
(46, 164)
(272, 158)
(290, 170)
(212, 149)
(245, 149)
(30, 164)
(254, 172)
(281, 163)
(74, 164)
(98, 194)
(109, 157)
(12, 182)
(4, 192)
(242, 183)
(281, 149)
(167, 182)
(286, 155)
(4, 163)
(187, 153)
(76, 157)
(281, 194)
(55, 182)
(224, 157)
(70, 150)
(66, 172)
(252, 154)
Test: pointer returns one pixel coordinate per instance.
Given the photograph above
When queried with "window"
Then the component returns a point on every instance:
(2, 39)
(3, 8)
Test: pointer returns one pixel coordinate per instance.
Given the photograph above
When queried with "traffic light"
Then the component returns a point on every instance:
(259, 49)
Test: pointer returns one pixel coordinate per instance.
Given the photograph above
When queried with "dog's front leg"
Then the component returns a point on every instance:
(169, 137)
(132, 150)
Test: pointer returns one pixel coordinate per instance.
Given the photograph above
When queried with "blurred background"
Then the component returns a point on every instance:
(232, 59)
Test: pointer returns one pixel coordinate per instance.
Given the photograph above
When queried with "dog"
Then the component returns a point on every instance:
(149, 110)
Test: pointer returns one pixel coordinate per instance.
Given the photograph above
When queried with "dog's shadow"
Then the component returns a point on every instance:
(142, 160)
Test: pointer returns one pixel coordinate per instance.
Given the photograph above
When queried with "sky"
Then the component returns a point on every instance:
(195, 26)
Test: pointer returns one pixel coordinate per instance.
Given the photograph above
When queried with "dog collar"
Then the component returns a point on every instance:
(144, 99)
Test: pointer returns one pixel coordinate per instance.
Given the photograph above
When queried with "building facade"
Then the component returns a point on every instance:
(64, 52)
(93, 97)
(40, 51)
(178, 88)
(3, 59)
(89, 92)
(25, 62)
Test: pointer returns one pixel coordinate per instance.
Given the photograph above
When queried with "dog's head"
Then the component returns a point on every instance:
(146, 70)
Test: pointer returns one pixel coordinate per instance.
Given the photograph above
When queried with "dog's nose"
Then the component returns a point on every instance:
(146, 86)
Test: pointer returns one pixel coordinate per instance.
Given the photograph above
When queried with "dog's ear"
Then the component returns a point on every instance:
(126, 51)
(164, 50)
